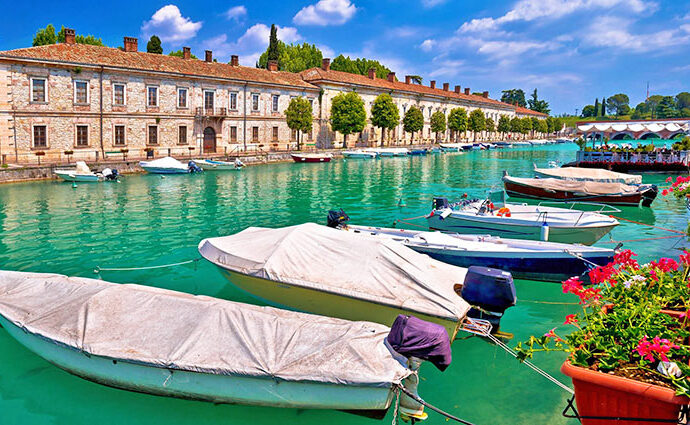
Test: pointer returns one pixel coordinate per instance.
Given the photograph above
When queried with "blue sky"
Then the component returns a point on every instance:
(571, 50)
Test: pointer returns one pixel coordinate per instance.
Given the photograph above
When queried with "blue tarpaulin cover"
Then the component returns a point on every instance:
(411, 336)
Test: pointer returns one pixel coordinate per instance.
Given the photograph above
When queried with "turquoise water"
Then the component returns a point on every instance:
(148, 220)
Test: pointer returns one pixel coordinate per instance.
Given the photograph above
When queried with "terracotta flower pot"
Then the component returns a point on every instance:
(601, 394)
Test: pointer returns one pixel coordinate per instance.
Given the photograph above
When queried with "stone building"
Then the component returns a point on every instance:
(76, 101)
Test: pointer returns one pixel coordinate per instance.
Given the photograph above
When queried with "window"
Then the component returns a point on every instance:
(181, 98)
(311, 102)
(310, 135)
(40, 136)
(233, 134)
(275, 134)
(119, 135)
(119, 97)
(151, 96)
(153, 135)
(209, 96)
(275, 102)
(255, 102)
(82, 135)
(38, 90)
(81, 92)
(293, 135)
(255, 134)
(182, 135)
(233, 101)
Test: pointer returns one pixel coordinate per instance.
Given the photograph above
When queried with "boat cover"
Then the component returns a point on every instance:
(167, 162)
(411, 336)
(175, 330)
(589, 174)
(82, 168)
(344, 263)
(587, 187)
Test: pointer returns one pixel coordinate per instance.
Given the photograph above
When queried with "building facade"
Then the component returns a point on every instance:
(88, 102)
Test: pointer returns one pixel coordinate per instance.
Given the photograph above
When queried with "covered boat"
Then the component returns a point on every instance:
(175, 344)
(388, 151)
(520, 221)
(311, 157)
(587, 174)
(571, 190)
(359, 154)
(326, 271)
(213, 165)
(82, 173)
(167, 165)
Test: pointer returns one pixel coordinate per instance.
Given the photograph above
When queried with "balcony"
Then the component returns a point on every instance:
(212, 112)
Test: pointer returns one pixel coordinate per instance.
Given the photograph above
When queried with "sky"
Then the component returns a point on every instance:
(572, 51)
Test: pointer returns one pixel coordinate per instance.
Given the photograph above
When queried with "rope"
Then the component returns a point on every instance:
(547, 302)
(418, 399)
(580, 257)
(397, 404)
(649, 225)
(99, 269)
(644, 239)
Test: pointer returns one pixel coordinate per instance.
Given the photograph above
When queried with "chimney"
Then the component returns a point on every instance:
(485, 94)
(372, 73)
(235, 60)
(69, 36)
(273, 66)
(209, 56)
(186, 53)
(457, 89)
(391, 77)
(467, 90)
(131, 44)
(408, 79)
(326, 64)
(432, 84)
(446, 86)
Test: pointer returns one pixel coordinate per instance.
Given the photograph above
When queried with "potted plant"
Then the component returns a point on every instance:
(149, 152)
(39, 154)
(124, 151)
(69, 153)
(190, 148)
(627, 357)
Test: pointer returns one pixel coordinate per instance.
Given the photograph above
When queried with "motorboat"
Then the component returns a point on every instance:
(589, 191)
(451, 147)
(213, 165)
(168, 343)
(359, 154)
(386, 152)
(522, 221)
(521, 143)
(321, 270)
(311, 157)
(168, 165)
(533, 260)
(598, 175)
(418, 152)
(82, 173)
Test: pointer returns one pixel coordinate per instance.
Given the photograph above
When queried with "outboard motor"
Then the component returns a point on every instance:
(337, 218)
(440, 203)
(109, 174)
(491, 292)
(193, 168)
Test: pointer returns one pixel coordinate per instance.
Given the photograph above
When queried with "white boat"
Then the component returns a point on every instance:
(534, 260)
(382, 152)
(454, 147)
(521, 221)
(359, 154)
(521, 143)
(82, 173)
(169, 343)
(165, 165)
(212, 165)
(598, 175)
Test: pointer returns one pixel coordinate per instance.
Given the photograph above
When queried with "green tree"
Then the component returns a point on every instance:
(597, 109)
(503, 125)
(413, 121)
(549, 121)
(534, 124)
(514, 96)
(438, 123)
(294, 57)
(558, 124)
(416, 79)
(476, 122)
(589, 111)
(45, 36)
(180, 54)
(490, 125)
(299, 116)
(457, 121)
(603, 106)
(516, 125)
(538, 105)
(347, 114)
(683, 103)
(273, 54)
(618, 104)
(154, 45)
(525, 125)
(666, 108)
(80, 39)
(384, 114)
(542, 126)
(359, 66)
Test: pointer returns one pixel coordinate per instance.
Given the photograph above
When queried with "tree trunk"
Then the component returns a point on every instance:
(299, 140)
(383, 135)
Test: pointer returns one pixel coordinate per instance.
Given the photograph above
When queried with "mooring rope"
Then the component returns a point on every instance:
(580, 257)
(418, 399)
(649, 225)
(99, 269)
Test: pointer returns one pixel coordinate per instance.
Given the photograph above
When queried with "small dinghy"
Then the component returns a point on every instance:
(82, 173)
(359, 154)
(311, 157)
(383, 152)
(169, 343)
(521, 221)
(212, 165)
(589, 191)
(168, 165)
(598, 175)
(418, 152)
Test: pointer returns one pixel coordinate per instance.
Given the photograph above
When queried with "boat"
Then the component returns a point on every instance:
(213, 165)
(317, 269)
(167, 165)
(82, 173)
(311, 157)
(568, 191)
(418, 152)
(383, 152)
(521, 143)
(521, 221)
(598, 175)
(451, 147)
(359, 154)
(533, 260)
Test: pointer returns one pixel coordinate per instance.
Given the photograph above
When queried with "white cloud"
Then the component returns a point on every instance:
(236, 13)
(427, 45)
(170, 26)
(608, 31)
(446, 68)
(326, 51)
(432, 3)
(326, 12)
(251, 44)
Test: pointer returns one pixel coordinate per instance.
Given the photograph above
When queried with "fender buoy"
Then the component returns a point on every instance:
(503, 212)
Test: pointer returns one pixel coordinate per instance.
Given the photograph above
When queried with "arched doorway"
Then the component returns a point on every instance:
(209, 140)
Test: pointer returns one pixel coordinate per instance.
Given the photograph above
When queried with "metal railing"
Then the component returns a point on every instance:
(211, 112)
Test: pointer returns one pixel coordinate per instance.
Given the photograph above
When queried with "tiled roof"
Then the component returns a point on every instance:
(107, 56)
(524, 111)
(316, 75)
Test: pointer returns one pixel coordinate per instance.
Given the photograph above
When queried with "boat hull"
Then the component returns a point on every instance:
(362, 155)
(645, 196)
(202, 386)
(217, 167)
(294, 297)
(72, 177)
(158, 170)
(310, 159)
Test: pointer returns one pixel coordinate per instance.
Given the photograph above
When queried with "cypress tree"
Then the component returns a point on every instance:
(273, 44)
(596, 107)
(603, 106)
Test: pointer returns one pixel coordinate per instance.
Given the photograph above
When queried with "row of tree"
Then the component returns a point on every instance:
(655, 106)
(517, 97)
(47, 35)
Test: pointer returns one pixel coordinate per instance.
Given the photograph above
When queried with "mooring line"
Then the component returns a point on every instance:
(649, 225)
(99, 269)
